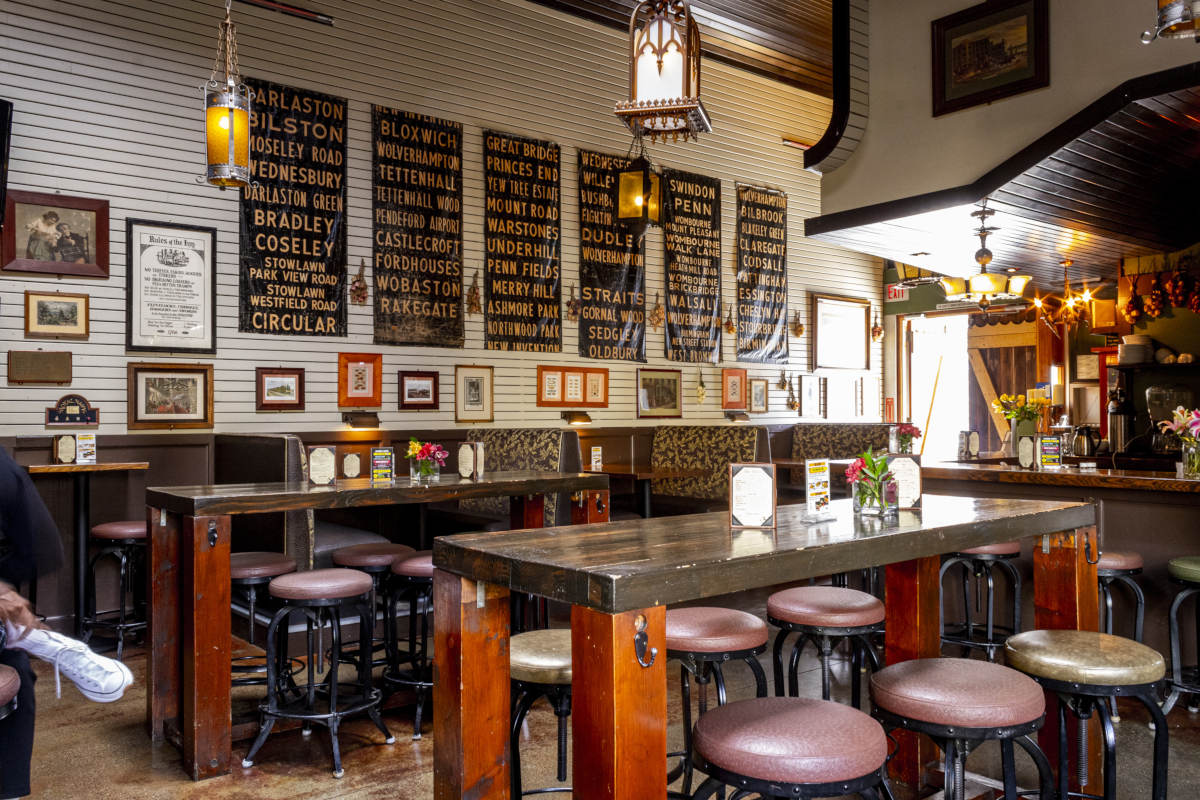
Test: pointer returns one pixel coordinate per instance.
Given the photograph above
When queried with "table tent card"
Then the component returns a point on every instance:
(752, 495)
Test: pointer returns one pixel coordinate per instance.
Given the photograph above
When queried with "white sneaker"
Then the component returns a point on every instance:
(98, 678)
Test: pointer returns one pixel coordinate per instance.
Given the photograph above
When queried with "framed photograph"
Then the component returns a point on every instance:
(841, 332)
(170, 396)
(360, 380)
(572, 387)
(758, 395)
(278, 389)
(473, 393)
(170, 287)
(660, 393)
(56, 315)
(54, 234)
(989, 51)
(418, 391)
(810, 396)
(733, 389)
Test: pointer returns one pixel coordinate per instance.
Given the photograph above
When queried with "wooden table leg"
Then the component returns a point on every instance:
(619, 707)
(913, 631)
(163, 677)
(470, 689)
(1065, 597)
(83, 513)
(589, 506)
(527, 511)
(205, 635)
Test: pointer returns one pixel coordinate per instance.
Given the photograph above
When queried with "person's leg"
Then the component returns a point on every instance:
(98, 678)
(16, 731)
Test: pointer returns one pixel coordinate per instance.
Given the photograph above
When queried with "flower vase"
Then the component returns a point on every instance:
(423, 470)
(1021, 427)
(872, 501)
(1191, 460)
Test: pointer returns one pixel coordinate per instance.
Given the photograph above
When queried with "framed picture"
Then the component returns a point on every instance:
(758, 396)
(54, 234)
(810, 396)
(170, 287)
(660, 393)
(279, 389)
(733, 388)
(360, 380)
(572, 387)
(6, 112)
(56, 315)
(170, 396)
(473, 394)
(418, 391)
(989, 51)
(841, 332)
(841, 397)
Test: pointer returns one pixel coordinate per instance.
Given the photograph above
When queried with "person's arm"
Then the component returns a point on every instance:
(15, 612)
(31, 539)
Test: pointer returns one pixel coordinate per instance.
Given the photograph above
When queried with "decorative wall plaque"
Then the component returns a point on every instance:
(72, 411)
(39, 366)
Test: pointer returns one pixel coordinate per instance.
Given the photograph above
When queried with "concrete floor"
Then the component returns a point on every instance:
(95, 751)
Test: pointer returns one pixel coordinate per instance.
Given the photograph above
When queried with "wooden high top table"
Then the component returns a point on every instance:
(619, 578)
(188, 688)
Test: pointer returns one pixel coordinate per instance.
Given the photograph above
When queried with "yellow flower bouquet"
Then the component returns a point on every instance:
(1018, 408)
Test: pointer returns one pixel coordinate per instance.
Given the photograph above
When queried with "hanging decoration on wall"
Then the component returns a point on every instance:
(692, 239)
(573, 306)
(762, 288)
(876, 329)
(730, 325)
(792, 403)
(522, 284)
(783, 381)
(227, 114)
(417, 189)
(72, 411)
(473, 304)
(358, 286)
(664, 72)
(293, 219)
(797, 325)
(701, 389)
(612, 267)
(657, 314)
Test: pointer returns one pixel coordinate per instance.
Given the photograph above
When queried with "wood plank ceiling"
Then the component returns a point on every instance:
(787, 40)
(1116, 180)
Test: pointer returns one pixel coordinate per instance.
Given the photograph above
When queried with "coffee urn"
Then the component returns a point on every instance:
(1120, 421)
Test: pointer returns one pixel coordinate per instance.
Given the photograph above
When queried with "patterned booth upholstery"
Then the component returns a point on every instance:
(837, 439)
(544, 449)
(711, 448)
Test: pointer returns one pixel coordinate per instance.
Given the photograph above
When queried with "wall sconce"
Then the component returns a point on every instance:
(664, 72)
(227, 115)
(361, 419)
(577, 417)
(737, 416)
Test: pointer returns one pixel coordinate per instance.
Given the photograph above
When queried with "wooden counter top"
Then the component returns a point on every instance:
(1098, 478)
(108, 466)
(618, 567)
(251, 498)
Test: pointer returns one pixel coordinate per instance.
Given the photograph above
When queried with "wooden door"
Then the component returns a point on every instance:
(1004, 360)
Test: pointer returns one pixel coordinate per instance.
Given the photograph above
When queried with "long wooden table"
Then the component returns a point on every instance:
(619, 578)
(188, 689)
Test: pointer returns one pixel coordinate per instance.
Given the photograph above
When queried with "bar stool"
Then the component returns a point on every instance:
(1086, 670)
(980, 562)
(959, 703)
(794, 747)
(412, 580)
(703, 638)
(1118, 566)
(539, 663)
(247, 572)
(1184, 571)
(317, 595)
(126, 542)
(826, 616)
(375, 559)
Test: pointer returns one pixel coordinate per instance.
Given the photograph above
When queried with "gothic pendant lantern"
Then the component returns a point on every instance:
(227, 115)
(664, 72)
(637, 191)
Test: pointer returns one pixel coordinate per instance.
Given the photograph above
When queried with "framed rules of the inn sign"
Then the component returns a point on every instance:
(170, 287)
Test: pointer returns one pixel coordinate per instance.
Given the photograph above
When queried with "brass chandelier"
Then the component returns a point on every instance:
(983, 288)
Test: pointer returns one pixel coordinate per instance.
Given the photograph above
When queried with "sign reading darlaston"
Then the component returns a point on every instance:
(522, 234)
(293, 218)
(612, 268)
(762, 306)
(417, 194)
(692, 239)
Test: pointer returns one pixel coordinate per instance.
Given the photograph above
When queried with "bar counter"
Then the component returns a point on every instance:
(1125, 479)
(619, 577)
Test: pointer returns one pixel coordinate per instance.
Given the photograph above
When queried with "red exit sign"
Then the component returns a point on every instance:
(896, 292)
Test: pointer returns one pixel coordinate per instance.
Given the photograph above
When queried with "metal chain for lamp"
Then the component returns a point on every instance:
(226, 51)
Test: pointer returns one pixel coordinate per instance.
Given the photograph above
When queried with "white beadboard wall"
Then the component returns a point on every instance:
(108, 105)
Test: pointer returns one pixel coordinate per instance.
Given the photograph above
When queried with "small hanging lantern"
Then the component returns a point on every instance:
(227, 114)
(664, 72)
(1177, 19)
(637, 191)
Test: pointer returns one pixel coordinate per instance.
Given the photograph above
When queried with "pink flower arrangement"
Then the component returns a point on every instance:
(425, 454)
(1185, 424)
(908, 429)
(854, 471)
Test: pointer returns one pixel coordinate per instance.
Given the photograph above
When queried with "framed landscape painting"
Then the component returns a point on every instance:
(170, 396)
(418, 391)
(988, 51)
(56, 315)
(660, 393)
(279, 389)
